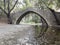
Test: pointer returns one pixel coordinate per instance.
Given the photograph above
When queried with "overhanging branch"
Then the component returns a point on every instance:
(3, 10)
(14, 5)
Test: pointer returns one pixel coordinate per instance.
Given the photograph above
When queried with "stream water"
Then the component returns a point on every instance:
(29, 37)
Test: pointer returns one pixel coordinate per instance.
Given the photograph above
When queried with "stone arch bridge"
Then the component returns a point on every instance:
(47, 15)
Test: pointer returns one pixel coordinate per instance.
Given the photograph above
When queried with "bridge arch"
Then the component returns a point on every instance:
(47, 16)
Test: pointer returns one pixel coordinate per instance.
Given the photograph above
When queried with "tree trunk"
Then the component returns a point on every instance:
(8, 16)
(9, 19)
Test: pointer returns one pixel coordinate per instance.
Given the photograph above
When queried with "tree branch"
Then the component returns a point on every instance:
(4, 4)
(8, 9)
(3, 10)
(14, 5)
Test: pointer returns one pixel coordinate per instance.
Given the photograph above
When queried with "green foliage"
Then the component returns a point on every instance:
(58, 4)
(55, 4)
(31, 3)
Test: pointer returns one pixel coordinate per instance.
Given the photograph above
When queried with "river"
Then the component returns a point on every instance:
(27, 35)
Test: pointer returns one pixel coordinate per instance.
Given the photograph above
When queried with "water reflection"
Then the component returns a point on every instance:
(51, 37)
(40, 30)
(29, 37)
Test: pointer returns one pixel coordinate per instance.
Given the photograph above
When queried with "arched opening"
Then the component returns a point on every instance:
(35, 19)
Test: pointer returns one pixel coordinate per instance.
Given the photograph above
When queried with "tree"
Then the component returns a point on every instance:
(6, 9)
(54, 4)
